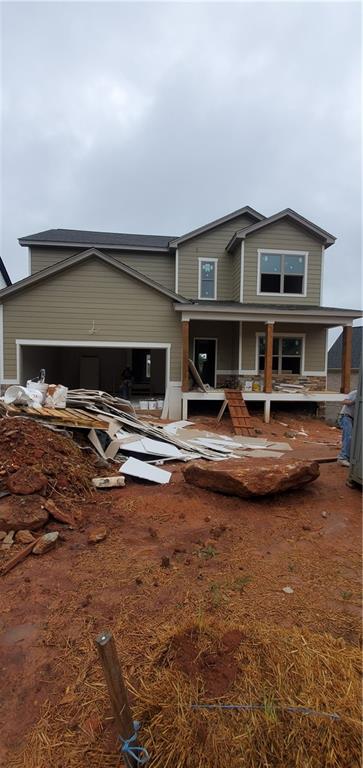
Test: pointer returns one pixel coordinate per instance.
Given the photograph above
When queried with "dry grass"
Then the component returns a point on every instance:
(275, 667)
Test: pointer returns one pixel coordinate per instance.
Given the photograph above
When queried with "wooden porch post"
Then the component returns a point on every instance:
(185, 355)
(268, 357)
(346, 358)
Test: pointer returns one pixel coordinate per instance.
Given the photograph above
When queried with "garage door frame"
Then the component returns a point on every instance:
(93, 344)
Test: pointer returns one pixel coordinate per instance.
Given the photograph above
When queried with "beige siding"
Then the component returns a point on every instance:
(315, 343)
(158, 266)
(285, 236)
(65, 306)
(210, 244)
(227, 335)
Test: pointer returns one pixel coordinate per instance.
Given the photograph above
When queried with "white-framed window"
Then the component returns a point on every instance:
(207, 278)
(287, 354)
(282, 272)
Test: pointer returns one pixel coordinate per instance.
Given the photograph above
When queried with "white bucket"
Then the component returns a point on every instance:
(23, 396)
(160, 404)
(144, 405)
(152, 405)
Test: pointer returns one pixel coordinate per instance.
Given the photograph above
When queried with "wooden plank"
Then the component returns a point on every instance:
(117, 691)
(238, 410)
(185, 355)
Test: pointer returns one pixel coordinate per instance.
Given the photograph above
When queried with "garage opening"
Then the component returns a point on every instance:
(117, 370)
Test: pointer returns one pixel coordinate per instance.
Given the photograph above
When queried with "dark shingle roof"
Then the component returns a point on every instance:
(335, 352)
(4, 272)
(81, 237)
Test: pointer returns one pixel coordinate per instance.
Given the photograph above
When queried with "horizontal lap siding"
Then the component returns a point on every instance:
(236, 275)
(157, 266)
(212, 244)
(227, 335)
(315, 343)
(284, 236)
(65, 306)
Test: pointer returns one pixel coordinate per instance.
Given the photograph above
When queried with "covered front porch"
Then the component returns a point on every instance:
(273, 355)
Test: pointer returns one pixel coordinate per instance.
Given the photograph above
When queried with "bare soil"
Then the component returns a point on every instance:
(171, 550)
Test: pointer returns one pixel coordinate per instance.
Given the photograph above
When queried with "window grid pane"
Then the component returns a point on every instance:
(286, 354)
(282, 273)
(207, 279)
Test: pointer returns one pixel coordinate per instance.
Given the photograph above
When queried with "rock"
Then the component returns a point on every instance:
(24, 537)
(217, 531)
(165, 562)
(22, 512)
(290, 434)
(138, 581)
(252, 480)
(288, 590)
(152, 532)
(45, 543)
(2, 535)
(324, 514)
(306, 527)
(97, 534)
(26, 480)
(8, 541)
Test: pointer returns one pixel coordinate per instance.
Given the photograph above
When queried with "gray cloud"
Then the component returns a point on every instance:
(159, 117)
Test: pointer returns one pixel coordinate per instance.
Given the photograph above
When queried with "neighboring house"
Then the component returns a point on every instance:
(241, 295)
(4, 276)
(335, 351)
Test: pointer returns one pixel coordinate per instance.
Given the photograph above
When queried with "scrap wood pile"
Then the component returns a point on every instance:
(296, 696)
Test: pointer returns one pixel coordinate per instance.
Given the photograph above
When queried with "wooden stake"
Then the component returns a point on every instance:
(17, 558)
(117, 690)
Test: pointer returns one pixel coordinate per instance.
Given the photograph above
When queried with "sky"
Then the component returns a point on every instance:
(159, 117)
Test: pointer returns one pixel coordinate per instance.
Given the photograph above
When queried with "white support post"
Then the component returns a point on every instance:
(267, 411)
(185, 409)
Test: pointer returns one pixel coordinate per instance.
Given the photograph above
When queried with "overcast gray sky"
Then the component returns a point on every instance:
(159, 117)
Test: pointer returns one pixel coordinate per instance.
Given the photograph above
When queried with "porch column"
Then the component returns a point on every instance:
(185, 355)
(268, 356)
(346, 358)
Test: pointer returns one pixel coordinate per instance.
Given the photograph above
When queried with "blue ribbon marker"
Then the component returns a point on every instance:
(140, 754)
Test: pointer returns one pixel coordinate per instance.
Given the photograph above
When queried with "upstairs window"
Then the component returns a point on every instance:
(282, 273)
(286, 354)
(207, 279)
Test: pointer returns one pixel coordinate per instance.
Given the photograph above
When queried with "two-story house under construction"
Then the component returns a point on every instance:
(241, 296)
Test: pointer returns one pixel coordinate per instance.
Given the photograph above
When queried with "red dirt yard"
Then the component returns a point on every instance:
(171, 552)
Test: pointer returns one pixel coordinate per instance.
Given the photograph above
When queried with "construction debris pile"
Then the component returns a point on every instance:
(138, 445)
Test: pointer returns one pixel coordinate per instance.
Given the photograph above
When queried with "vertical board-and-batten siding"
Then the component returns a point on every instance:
(284, 236)
(315, 343)
(66, 305)
(158, 266)
(211, 244)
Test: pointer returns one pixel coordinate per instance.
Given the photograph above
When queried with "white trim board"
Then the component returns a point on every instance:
(242, 271)
(200, 260)
(1, 343)
(279, 252)
(322, 273)
(176, 271)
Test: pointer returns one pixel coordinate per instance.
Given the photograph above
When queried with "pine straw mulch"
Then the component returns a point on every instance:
(170, 668)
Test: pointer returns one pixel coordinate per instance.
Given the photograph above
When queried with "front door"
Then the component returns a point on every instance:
(205, 360)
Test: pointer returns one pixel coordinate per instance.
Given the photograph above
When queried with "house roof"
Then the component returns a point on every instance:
(335, 352)
(4, 272)
(325, 237)
(80, 238)
(216, 223)
(78, 258)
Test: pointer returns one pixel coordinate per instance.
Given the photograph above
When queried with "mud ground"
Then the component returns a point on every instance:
(220, 550)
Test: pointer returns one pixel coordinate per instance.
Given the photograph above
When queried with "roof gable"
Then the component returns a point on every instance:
(4, 273)
(335, 351)
(79, 258)
(216, 223)
(325, 237)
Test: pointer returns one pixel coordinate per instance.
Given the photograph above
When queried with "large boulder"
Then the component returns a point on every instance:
(22, 512)
(26, 480)
(251, 479)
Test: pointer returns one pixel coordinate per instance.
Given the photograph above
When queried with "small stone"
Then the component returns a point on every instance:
(207, 519)
(97, 534)
(288, 590)
(182, 516)
(258, 432)
(2, 535)
(9, 540)
(165, 562)
(288, 433)
(138, 581)
(27, 480)
(152, 533)
(306, 527)
(24, 537)
(45, 543)
(324, 514)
